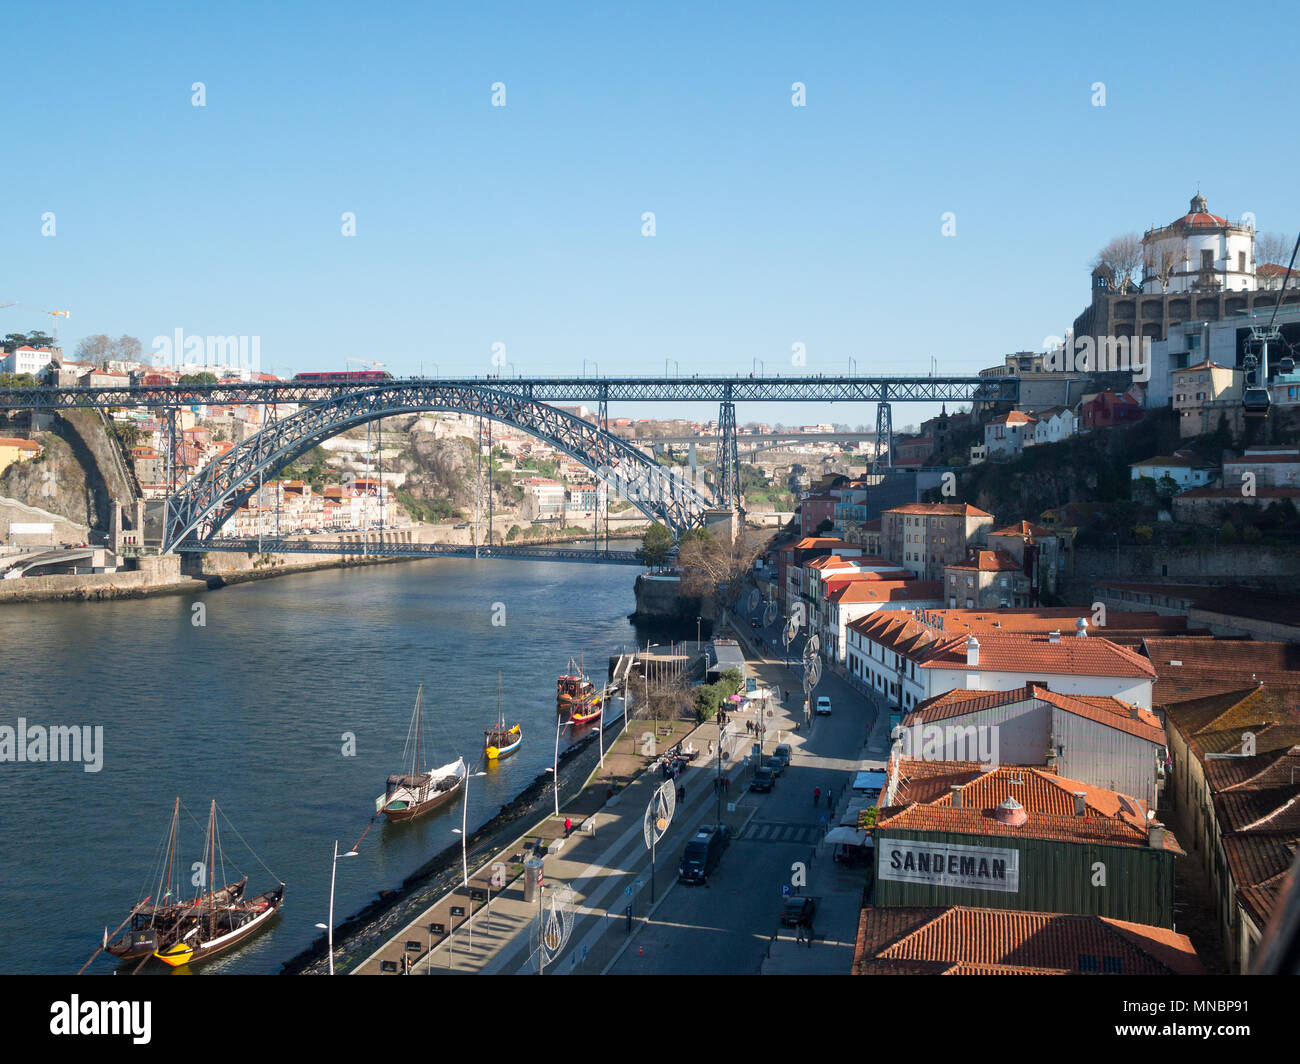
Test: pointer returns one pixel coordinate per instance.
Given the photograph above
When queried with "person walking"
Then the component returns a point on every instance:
(809, 930)
(568, 826)
(817, 796)
(830, 802)
(799, 928)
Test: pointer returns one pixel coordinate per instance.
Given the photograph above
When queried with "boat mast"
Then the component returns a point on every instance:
(415, 765)
(171, 859)
(212, 842)
(501, 721)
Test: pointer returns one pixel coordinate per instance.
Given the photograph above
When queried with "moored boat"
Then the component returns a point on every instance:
(216, 920)
(499, 741)
(411, 794)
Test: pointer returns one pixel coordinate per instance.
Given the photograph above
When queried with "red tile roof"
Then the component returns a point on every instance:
(1114, 713)
(1025, 529)
(963, 509)
(963, 940)
(1048, 803)
(888, 591)
(988, 561)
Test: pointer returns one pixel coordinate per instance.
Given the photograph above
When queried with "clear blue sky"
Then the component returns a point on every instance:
(522, 224)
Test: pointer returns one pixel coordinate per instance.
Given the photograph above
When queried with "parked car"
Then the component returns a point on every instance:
(794, 910)
(779, 760)
(763, 780)
(784, 750)
(823, 706)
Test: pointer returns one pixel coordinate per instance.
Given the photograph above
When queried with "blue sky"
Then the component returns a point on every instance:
(522, 225)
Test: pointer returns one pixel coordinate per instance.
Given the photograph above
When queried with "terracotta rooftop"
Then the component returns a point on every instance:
(888, 591)
(963, 940)
(1025, 529)
(963, 509)
(1112, 712)
(988, 561)
(1046, 798)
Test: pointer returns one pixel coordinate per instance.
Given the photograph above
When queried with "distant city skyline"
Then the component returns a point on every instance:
(521, 225)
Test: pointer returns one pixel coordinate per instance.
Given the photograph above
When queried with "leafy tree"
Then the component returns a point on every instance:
(1251, 534)
(1143, 534)
(198, 378)
(656, 545)
(15, 340)
(1227, 533)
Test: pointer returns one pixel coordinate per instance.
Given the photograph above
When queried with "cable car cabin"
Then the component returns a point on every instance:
(1256, 402)
(1286, 365)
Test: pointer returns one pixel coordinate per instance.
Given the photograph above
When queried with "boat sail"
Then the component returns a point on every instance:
(499, 741)
(216, 920)
(417, 792)
(157, 922)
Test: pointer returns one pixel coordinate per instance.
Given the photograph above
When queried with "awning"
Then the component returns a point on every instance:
(843, 836)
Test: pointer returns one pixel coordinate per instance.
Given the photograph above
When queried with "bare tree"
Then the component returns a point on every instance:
(1162, 263)
(669, 698)
(96, 350)
(1274, 248)
(713, 568)
(1119, 260)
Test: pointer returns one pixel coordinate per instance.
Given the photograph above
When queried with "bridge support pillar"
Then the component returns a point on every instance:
(728, 460)
(884, 438)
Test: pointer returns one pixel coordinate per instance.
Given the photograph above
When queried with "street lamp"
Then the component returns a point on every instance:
(697, 634)
(593, 362)
(463, 832)
(675, 363)
(853, 366)
(755, 363)
(330, 926)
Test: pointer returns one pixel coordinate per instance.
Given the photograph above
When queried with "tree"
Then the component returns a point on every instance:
(13, 341)
(198, 378)
(655, 546)
(1162, 263)
(101, 350)
(1227, 533)
(1274, 248)
(1119, 260)
(713, 568)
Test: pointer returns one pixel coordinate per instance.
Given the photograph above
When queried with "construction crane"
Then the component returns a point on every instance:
(55, 314)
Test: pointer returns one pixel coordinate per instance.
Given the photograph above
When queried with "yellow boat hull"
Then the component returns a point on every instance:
(175, 955)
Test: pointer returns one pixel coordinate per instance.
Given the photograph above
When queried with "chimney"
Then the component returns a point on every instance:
(956, 795)
(1054, 637)
(1134, 712)
(1156, 835)
(1081, 628)
(1079, 808)
(972, 651)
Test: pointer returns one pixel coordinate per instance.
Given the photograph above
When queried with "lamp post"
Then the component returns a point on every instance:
(593, 362)
(697, 633)
(463, 832)
(853, 366)
(675, 363)
(755, 362)
(329, 928)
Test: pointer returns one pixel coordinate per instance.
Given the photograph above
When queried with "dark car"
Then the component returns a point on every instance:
(763, 780)
(777, 762)
(784, 754)
(703, 852)
(797, 910)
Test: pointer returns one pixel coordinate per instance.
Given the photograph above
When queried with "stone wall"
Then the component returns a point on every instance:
(1274, 568)
(155, 575)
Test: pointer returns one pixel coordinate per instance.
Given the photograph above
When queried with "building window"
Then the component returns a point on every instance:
(1207, 259)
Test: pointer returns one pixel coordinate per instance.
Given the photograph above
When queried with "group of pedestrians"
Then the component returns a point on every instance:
(817, 798)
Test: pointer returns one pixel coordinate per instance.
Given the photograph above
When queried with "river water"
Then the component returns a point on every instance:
(251, 708)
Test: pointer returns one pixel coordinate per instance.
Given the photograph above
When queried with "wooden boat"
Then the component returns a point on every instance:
(574, 692)
(152, 925)
(216, 920)
(499, 741)
(417, 792)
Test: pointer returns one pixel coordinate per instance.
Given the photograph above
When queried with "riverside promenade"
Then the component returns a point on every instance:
(604, 861)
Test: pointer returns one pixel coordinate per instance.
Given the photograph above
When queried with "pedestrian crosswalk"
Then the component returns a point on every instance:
(781, 831)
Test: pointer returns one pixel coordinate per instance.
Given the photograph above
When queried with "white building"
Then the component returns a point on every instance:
(1184, 468)
(1054, 425)
(1006, 434)
(908, 661)
(25, 359)
(1199, 252)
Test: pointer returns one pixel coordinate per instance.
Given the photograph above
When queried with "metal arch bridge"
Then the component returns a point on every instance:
(209, 498)
(200, 506)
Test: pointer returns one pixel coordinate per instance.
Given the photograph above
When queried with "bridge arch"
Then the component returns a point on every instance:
(203, 504)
